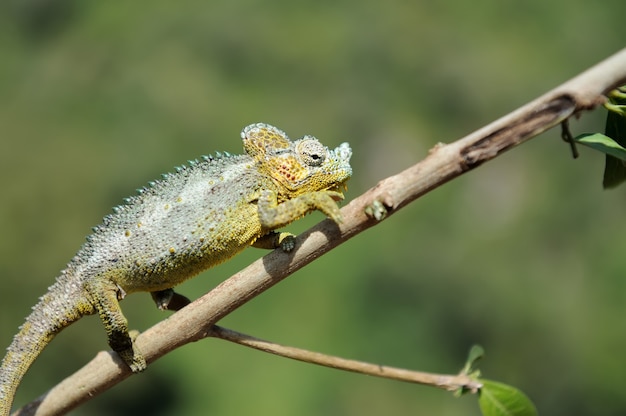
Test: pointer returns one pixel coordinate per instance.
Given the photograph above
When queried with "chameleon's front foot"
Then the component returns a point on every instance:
(274, 215)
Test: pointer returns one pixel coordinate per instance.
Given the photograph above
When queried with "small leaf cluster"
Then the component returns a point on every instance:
(495, 398)
(613, 141)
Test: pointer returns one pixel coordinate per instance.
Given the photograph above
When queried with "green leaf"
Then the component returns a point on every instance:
(475, 354)
(614, 172)
(615, 168)
(497, 399)
(470, 369)
(602, 143)
(613, 141)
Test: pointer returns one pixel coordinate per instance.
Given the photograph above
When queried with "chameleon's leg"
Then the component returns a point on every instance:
(169, 300)
(274, 215)
(105, 296)
(273, 239)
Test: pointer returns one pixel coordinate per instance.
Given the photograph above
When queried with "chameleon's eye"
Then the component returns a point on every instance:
(312, 152)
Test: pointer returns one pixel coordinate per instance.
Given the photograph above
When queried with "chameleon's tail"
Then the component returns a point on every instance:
(58, 308)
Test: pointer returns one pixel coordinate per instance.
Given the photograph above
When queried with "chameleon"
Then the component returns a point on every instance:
(186, 222)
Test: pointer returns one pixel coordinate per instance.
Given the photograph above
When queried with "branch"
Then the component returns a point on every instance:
(460, 382)
(444, 163)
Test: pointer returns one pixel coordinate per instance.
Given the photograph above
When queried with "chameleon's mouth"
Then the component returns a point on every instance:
(339, 188)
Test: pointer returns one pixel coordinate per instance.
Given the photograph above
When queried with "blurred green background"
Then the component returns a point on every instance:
(524, 256)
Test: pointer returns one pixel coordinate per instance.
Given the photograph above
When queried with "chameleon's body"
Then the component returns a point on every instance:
(177, 227)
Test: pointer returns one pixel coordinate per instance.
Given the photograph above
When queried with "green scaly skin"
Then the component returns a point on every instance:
(185, 223)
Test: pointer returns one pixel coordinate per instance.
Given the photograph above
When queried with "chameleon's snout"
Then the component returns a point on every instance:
(341, 155)
(343, 152)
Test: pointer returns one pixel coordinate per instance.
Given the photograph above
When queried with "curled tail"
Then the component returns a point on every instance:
(63, 304)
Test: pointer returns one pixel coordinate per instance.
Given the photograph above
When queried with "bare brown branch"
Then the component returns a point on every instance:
(442, 381)
(444, 163)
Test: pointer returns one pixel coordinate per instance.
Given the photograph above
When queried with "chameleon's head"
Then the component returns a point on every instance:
(300, 166)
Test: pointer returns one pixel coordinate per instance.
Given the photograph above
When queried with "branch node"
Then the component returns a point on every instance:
(378, 209)
(436, 148)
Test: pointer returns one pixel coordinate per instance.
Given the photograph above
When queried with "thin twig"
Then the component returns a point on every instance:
(442, 381)
(567, 137)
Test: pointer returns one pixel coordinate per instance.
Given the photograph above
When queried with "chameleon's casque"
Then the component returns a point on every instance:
(178, 226)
